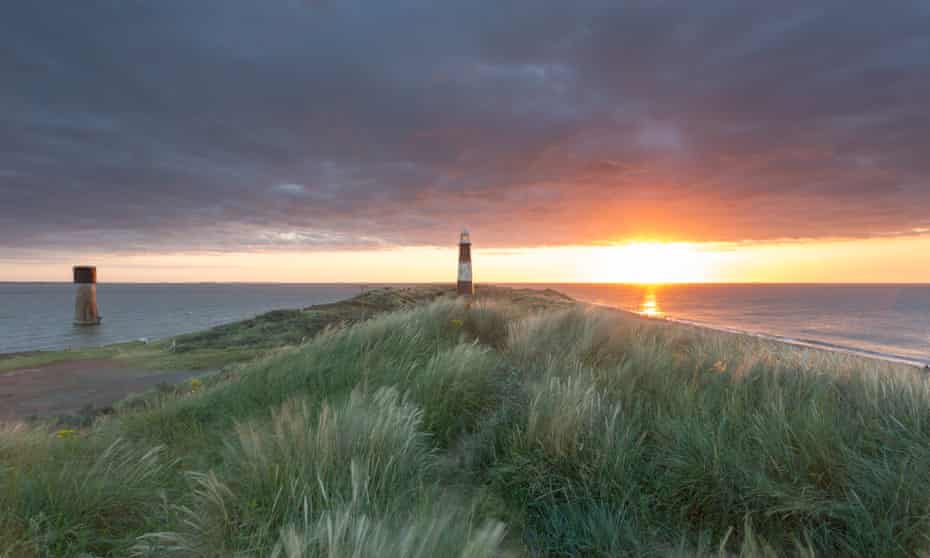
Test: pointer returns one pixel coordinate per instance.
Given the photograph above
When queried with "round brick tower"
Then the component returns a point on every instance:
(85, 297)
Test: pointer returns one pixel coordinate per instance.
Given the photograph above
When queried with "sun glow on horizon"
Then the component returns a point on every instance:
(889, 260)
(654, 263)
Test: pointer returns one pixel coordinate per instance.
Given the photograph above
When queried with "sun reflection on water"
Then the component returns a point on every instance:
(650, 306)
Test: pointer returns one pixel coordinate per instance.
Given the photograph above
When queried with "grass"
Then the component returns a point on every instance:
(246, 340)
(522, 425)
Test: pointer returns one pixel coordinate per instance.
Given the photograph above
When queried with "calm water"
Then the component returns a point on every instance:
(38, 315)
(888, 320)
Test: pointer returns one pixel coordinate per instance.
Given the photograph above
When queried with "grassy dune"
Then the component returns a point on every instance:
(520, 426)
(244, 340)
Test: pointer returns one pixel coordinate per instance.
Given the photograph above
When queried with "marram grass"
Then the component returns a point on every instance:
(494, 430)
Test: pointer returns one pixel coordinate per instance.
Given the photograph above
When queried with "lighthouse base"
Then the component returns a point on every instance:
(465, 288)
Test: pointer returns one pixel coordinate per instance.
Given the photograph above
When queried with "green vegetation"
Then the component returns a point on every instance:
(523, 425)
(248, 339)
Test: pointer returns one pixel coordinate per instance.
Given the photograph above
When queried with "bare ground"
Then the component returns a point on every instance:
(58, 383)
(64, 388)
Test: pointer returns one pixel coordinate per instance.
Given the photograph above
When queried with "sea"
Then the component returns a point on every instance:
(891, 322)
(885, 321)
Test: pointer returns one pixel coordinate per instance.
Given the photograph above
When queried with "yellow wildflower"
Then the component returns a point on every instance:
(65, 433)
(457, 323)
(196, 385)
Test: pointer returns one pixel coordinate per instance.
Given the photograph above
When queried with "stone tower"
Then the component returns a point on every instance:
(85, 297)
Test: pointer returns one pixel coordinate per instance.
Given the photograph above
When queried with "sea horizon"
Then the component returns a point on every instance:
(890, 321)
(479, 283)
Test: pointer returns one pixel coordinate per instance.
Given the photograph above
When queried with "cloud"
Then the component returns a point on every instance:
(152, 126)
(291, 189)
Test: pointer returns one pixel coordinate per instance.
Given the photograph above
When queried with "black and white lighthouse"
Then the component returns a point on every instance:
(465, 287)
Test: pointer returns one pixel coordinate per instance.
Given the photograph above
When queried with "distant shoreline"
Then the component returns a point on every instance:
(814, 344)
(803, 343)
(541, 287)
(528, 284)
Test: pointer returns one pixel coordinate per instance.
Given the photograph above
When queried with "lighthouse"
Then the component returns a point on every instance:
(85, 296)
(465, 287)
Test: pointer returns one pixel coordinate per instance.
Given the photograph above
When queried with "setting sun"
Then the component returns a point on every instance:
(654, 262)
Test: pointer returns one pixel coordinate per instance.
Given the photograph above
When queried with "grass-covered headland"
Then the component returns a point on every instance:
(518, 426)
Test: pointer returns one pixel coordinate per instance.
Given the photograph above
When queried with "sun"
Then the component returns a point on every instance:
(654, 263)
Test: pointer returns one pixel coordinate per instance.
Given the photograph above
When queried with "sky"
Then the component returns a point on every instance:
(347, 140)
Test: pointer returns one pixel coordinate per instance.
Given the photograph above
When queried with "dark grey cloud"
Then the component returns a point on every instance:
(221, 125)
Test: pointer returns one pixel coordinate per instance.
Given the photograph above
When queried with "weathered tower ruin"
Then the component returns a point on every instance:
(85, 298)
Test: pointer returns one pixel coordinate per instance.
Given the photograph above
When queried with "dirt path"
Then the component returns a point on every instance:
(63, 388)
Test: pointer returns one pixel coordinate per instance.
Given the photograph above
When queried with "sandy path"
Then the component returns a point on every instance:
(65, 387)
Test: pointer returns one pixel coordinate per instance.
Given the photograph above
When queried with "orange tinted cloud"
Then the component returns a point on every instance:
(900, 259)
(539, 123)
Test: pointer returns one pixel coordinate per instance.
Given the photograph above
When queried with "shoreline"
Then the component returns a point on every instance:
(97, 351)
(534, 398)
(812, 344)
(802, 343)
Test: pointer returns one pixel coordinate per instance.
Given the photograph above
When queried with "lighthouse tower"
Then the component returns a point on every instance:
(465, 287)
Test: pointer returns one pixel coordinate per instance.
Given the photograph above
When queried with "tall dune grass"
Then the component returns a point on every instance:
(711, 434)
(72, 494)
(494, 430)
